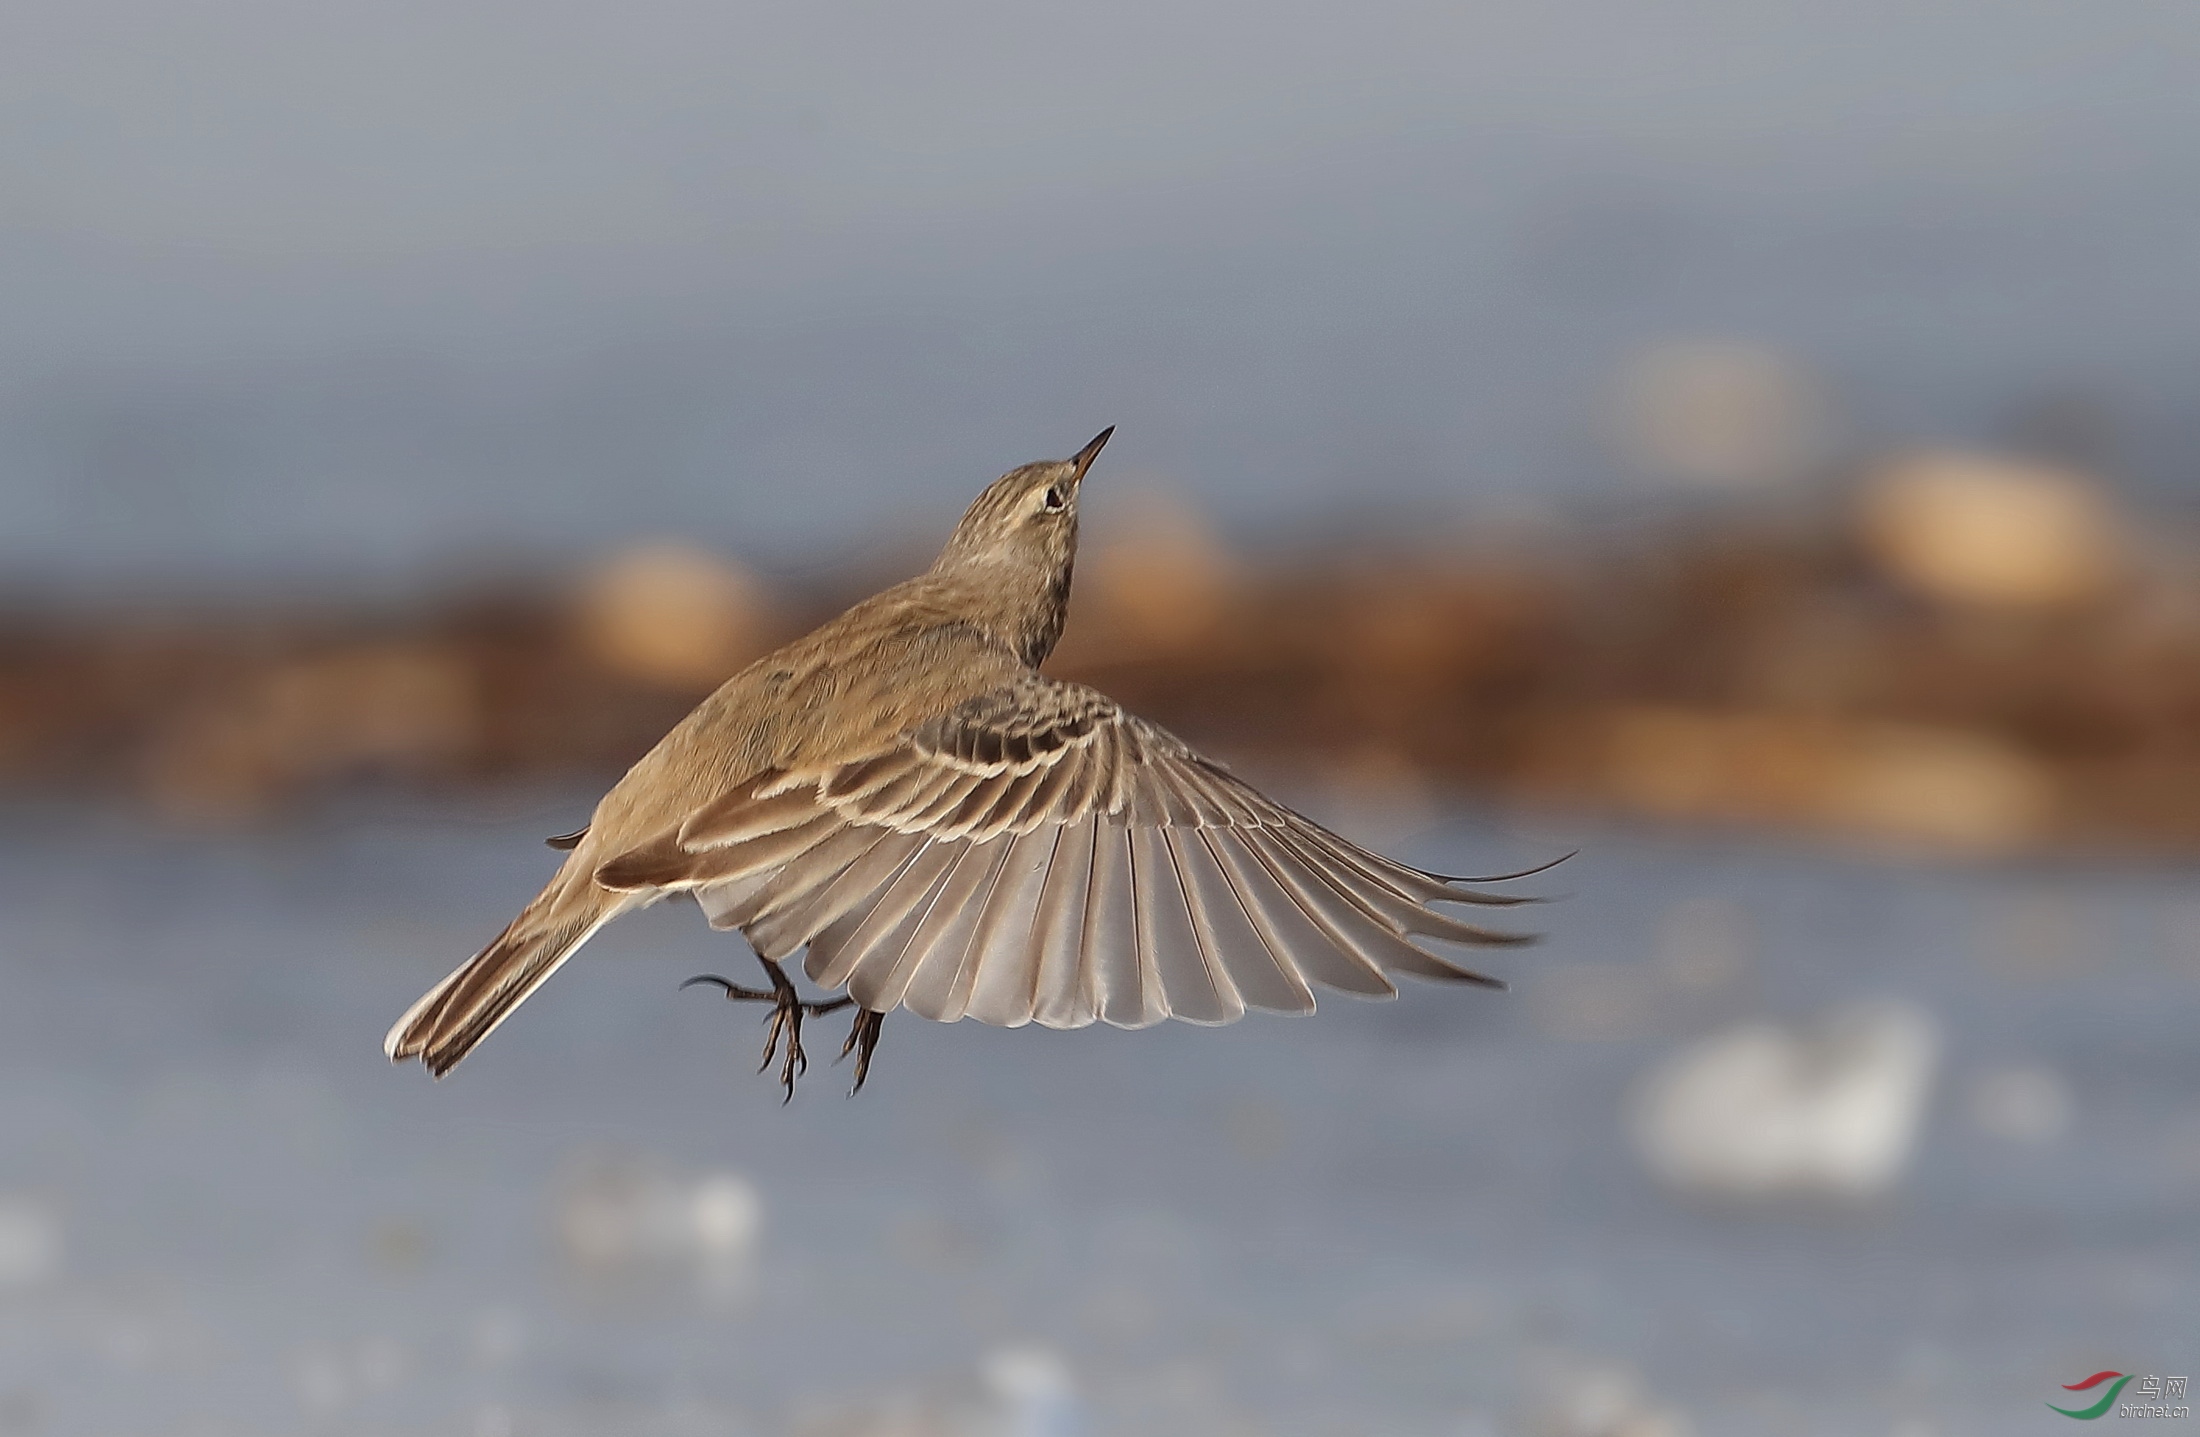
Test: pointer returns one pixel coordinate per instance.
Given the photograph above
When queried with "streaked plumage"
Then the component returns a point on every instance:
(946, 829)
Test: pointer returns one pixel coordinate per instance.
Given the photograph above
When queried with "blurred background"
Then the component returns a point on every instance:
(1751, 444)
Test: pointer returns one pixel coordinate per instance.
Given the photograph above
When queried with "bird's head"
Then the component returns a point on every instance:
(1027, 518)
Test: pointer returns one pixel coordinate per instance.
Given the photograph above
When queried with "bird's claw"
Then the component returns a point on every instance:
(862, 1041)
(784, 1020)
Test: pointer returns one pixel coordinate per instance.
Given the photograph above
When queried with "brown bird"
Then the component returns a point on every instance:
(947, 829)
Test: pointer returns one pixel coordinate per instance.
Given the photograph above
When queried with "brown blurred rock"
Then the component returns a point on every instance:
(1990, 531)
(1743, 666)
(672, 616)
(1971, 792)
(391, 707)
(1961, 791)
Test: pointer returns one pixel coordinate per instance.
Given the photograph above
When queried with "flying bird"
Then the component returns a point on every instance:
(903, 794)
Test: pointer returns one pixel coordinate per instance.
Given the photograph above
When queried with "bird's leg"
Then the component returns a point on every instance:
(787, 1012)
(862, 1041)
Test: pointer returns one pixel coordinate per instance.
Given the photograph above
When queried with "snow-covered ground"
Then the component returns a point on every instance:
(223, 1212)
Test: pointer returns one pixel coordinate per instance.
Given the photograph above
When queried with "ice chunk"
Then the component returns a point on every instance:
(619, 1219)
(1605, 1401)
(1033, 1392)
(1721, 414)
(30, 1240)
(1763, 1110)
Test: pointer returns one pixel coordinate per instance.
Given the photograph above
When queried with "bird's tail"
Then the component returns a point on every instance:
(465, 1007)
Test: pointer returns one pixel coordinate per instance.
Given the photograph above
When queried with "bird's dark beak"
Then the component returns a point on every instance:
(1082, 460)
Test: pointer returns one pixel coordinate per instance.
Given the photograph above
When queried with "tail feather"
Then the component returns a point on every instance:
(480, 993)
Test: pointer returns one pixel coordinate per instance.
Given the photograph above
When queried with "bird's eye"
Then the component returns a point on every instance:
(1053, 501)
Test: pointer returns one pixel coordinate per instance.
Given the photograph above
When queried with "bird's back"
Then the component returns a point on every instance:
(843, 690)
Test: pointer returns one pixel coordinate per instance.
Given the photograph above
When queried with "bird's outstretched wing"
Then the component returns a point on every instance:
(1039, 855)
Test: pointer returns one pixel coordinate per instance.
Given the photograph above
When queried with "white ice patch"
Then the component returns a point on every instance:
(627, 1219)
(30, 1241)
(1762, 1110)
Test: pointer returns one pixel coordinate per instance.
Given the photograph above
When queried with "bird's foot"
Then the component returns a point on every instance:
(862, 1041)
(784, 1021)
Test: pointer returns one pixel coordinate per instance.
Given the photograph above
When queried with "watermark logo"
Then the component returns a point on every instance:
(2156, 1397)
(2108, 1398)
